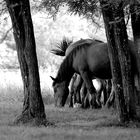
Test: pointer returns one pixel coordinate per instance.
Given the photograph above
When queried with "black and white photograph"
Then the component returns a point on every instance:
(69, 69)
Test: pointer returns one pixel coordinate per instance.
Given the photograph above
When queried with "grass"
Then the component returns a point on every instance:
(69, 123)
(11, 86)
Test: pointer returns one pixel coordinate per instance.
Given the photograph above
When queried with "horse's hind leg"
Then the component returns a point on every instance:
(86, 102)
(104, 92)
(111, 98)
(83, 92)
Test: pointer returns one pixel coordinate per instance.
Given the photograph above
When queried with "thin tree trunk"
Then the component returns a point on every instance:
(125, 63)
(33, 107)
(135, 21)
(119, 58)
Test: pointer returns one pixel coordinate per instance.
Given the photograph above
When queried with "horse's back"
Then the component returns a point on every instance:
(78, 43)
(82, 42)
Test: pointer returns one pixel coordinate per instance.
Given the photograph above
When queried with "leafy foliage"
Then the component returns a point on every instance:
(87, 8)
(3, 8)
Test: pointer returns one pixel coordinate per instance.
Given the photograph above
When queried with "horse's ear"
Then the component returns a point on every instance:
(53, 78)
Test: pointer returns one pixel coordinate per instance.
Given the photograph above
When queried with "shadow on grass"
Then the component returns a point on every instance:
(116, 123)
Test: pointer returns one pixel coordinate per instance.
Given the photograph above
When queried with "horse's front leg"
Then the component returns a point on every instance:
(78, 88)
(85, 103)
(71, 90)
(89, 85)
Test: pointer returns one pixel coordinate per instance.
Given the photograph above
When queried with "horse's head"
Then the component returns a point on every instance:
(61, 92)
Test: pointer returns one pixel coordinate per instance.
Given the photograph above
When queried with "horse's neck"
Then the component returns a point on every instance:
(67, 79)
(65, 75)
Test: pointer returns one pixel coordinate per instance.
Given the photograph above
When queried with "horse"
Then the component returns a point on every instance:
(63, 49)
(91, 61)
(77, 81)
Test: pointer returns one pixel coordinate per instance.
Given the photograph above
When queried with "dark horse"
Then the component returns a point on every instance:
(77, 89)
(91, 61)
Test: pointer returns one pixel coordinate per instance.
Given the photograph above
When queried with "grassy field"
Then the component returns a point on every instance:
(68, 123)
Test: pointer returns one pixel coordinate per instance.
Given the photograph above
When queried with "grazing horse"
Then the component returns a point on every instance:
(76, 83)
(91, 61)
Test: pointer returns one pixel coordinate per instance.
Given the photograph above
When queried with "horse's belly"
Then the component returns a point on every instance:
(102, 72)
(99, 66)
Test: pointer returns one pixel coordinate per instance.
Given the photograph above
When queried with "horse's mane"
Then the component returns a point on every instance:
(65, 71)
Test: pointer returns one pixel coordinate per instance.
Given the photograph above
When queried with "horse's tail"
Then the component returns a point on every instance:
(62, 47)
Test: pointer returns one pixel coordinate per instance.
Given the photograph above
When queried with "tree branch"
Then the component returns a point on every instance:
(6, 34)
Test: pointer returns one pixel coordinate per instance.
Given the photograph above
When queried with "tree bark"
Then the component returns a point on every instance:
(135, 21)
(120, 58)
(33, 107)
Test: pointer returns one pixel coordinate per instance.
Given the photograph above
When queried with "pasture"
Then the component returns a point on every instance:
(67, 123)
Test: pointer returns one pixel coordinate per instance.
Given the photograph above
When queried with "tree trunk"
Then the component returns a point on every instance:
(135, 20)
(33, 107)
(119, 58)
